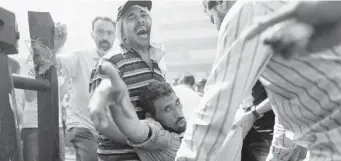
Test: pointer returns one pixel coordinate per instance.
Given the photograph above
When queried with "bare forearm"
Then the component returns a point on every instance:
(112, 132)
(264, 107)
(127, 121)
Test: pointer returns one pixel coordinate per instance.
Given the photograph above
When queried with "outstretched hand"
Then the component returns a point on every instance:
(43, 56)
(317, 27)
(112, 91)
(244, 120)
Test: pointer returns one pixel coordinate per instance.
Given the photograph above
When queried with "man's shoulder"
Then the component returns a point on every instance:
(116, 55)
(152, 122)
(157, 126)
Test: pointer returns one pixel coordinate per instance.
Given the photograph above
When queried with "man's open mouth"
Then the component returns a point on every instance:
(143, 32)
(181, 122)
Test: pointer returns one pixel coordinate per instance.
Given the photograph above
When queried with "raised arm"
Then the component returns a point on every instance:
(113, 92)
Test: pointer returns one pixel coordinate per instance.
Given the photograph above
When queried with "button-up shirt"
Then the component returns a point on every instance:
(305, 91)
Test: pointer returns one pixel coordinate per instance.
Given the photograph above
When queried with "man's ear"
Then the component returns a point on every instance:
(93, 34)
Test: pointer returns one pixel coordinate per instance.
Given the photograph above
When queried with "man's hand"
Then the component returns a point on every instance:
(43, 56)
(288, 38)
(60, 36)
(245, 120)
(318, 28)
(112, 92)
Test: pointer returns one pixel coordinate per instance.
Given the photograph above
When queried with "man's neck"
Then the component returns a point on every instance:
(101, 53)
(142, 50)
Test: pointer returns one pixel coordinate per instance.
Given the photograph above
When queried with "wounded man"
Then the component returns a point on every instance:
(158, 137)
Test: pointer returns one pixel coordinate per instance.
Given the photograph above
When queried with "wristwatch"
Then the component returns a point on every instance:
(255, 113)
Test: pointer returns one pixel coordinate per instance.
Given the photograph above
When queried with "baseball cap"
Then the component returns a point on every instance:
(122, 9)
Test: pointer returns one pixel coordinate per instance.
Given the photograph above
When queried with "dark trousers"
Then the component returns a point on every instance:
(29, 138)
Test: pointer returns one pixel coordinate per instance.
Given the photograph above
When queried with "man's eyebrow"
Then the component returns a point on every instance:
(142, 11)
(166, 106)
(131, 14)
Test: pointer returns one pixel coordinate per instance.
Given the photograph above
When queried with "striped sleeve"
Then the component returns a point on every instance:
(232, 78)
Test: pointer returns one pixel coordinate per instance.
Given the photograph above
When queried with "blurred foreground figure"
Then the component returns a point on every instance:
(298, 63)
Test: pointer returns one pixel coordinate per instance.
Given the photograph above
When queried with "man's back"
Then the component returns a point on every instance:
(306, 95)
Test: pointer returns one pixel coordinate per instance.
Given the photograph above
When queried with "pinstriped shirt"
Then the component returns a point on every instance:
(136, 73)
(306, 91)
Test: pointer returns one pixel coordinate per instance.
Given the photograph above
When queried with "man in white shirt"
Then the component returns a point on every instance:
(77, 66)
(186, 92)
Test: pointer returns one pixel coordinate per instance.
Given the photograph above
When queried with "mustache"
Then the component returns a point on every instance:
(104, 42)
(180, 119)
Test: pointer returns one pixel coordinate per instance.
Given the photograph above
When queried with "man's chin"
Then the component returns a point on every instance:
(103, 50)
(177, 130)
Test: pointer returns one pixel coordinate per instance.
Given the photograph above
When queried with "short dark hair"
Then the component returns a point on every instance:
(187, 79)
(153, 91)
(104, 18)
(202, 82)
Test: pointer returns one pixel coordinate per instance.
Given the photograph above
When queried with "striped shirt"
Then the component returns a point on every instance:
(136, 73)
(161, 146)
(306, 91)
(282, 148)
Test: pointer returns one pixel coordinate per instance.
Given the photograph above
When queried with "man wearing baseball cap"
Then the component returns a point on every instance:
(138, 60)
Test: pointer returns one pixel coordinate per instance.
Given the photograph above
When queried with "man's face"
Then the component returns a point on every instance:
(217, 10)
(103, 34)
(137, 25)
(168, 111)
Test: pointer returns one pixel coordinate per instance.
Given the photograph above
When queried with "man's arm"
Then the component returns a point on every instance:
(233, 77)
(112, 131)
(246, 119)
(113, 92)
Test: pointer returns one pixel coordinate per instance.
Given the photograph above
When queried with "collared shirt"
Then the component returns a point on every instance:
(161, 146)
(136, 73)
(305, 91)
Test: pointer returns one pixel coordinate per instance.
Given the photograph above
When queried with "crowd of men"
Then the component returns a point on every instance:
(121, 107)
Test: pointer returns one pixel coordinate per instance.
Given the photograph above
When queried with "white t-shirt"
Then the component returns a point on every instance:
(78, 65)
(188, 98)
